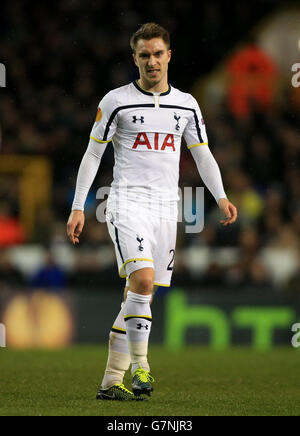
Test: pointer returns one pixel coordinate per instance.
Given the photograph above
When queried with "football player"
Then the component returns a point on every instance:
(145, 122)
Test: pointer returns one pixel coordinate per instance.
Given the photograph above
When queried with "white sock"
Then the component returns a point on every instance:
(138, 319)
(118, 353)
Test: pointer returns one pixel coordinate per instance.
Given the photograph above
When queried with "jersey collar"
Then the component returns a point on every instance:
(151, 93)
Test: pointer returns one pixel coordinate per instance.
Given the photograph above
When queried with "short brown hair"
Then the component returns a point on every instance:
(148, 31)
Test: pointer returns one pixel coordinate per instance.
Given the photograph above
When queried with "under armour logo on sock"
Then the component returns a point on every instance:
(140, 326)
(140, 240)
(135, 119)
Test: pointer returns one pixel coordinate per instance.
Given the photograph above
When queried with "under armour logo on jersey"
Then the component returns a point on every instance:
(135, 119)
(140, 240)
(177, 118)
(140, 326)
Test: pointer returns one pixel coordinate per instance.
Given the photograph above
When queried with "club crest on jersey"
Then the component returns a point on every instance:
(135, 119)
(177, 118)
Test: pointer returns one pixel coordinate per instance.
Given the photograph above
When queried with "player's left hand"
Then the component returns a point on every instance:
(75, 225)
(229, 211)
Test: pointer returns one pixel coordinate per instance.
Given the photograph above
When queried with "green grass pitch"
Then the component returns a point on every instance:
(194, 382)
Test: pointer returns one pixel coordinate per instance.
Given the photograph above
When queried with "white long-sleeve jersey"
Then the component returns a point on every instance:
(146, 131)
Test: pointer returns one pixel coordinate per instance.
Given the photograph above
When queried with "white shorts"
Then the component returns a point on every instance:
(144, 242)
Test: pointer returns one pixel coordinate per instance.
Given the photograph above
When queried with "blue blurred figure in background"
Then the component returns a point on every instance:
(50, 276)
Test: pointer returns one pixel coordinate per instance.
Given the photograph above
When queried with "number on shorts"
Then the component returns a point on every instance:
(170, 268)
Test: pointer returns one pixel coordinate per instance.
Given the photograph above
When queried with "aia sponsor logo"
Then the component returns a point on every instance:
(160, 141)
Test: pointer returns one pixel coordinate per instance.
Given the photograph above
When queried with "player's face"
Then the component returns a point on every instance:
(152, 58)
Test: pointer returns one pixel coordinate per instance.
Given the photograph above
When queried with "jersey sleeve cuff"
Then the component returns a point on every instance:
(75, 207)
(197, 145)
(98, 140)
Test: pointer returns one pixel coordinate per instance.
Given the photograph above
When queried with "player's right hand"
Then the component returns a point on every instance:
(75, 225)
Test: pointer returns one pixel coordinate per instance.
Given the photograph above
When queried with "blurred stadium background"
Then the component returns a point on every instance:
(237, 285)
